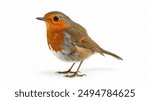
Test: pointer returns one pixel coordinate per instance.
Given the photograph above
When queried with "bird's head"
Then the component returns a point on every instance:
(56, 21)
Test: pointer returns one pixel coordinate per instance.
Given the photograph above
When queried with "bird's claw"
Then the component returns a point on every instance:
(63, 72)
(73, 74)
(66, 72)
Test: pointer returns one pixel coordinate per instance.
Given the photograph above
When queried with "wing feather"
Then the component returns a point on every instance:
(80, 38)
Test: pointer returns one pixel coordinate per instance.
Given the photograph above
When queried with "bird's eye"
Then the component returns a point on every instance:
(56, 18)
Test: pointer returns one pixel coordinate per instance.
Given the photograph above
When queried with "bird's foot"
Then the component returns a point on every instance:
(64, 72)
(73, 74)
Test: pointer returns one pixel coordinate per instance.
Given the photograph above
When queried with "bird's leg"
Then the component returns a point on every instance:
(68, 71)
(76, 73)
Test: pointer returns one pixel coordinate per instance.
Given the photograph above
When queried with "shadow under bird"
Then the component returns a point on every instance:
(69, 41)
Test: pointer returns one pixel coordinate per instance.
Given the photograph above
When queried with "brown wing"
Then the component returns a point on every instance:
(80, 38)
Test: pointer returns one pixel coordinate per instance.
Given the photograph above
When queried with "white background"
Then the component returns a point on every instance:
(122, 27)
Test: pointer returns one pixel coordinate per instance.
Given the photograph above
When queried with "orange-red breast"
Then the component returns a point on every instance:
(69, 41)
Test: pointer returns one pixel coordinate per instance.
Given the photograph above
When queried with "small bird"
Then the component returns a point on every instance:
(69, 41)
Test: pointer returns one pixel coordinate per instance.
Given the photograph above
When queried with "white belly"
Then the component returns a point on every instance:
(68, 55)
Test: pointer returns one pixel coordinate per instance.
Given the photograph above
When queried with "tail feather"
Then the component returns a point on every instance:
(112, 54)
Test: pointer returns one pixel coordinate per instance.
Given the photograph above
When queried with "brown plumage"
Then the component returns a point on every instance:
(69, 41)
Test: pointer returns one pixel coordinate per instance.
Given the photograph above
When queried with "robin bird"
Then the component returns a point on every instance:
(69, 41)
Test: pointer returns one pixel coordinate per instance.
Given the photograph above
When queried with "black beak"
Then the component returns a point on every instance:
(41, 18)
